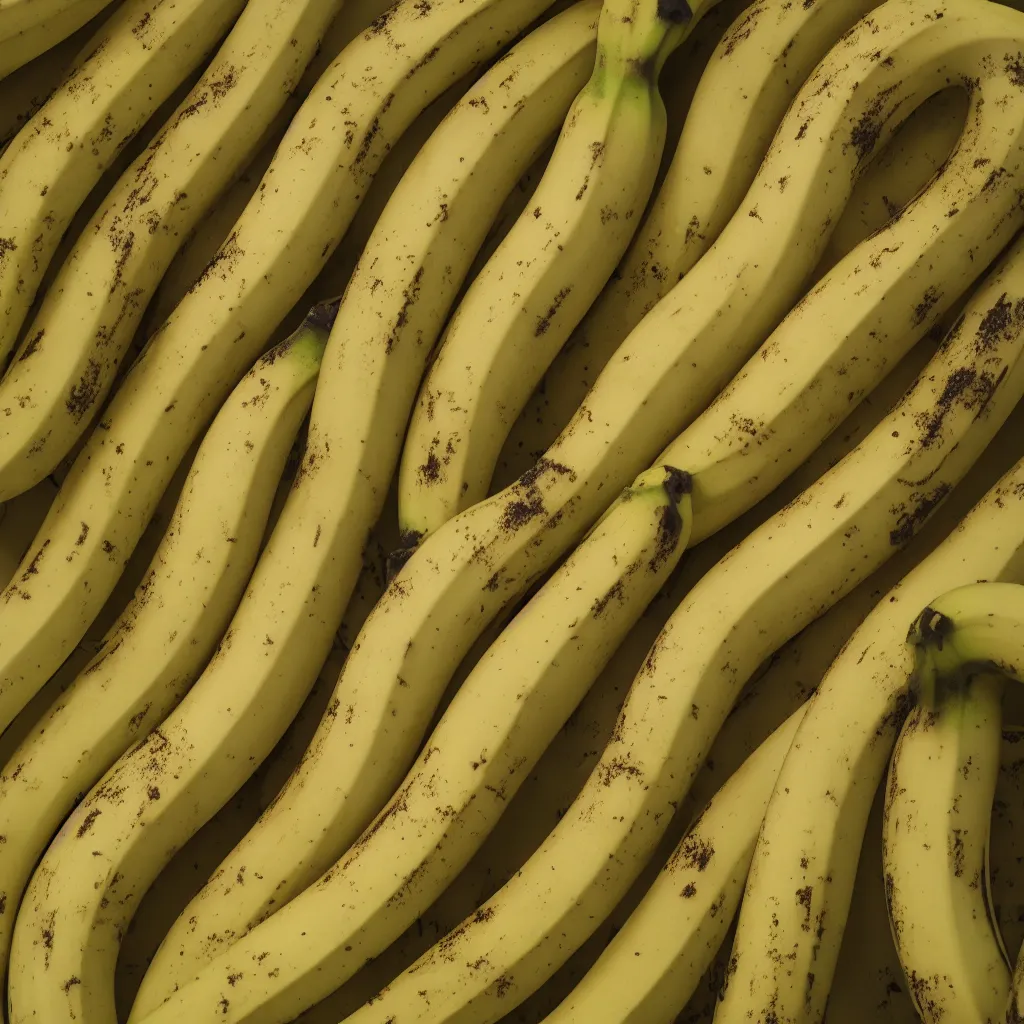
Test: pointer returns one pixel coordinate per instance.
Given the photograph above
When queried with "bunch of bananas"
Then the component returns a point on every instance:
(511, 511)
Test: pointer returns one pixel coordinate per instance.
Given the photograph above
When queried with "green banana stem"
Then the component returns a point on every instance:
(972, 628)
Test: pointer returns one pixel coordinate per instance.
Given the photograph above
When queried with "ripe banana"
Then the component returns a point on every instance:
(66, 364)
(815, 821)
(136, 59)
(787, 572)
(28, 28)
(24, 91)
(548, 269)
(976, 625)
(760, 62)
(397, 299)
(498, 725)
(306, 199)
(935, 852)
(655, 962)
(156, 794)
(160, 643)
(467, 571)
(19, 521)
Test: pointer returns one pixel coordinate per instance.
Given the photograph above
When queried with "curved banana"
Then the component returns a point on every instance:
(19, 521)
(24, 91)
(167, 633)
(29, 28)
(505, 714)
(977, 625)
(305, 201)
(787, 572)
(791, 394)
(65, 366)
(158, 792)
(465, 573)
(548, 269)
(654, 963)
(393, 310)
(136, 59)
(760, 62)
(938, 811)
(815, 822)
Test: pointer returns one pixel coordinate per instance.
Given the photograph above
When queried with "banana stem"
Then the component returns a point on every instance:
(975, 627)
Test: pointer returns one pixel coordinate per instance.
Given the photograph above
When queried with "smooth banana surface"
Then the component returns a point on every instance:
(756, 69)
(304, 203)
(393, 309)
(169, 630)
(135, 61)
(28, 28)
(935, 852)
(65, 366)
(153, 797)
(548, 269)
(814, 825)
(784, 574)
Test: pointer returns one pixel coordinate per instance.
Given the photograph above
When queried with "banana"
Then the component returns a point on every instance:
(935, 851)
(19, 520)
(760, 62)
(465, 573)
(397, 299)
(548, 269)
(24, 91)
(66, 364)
(653, 965)
(814, 825)
(29, 28)
(304, 202)
(975, 625)
(136, 59)
(159, 644)
(786, 573)
(202, 245)
(506, 713)
(157, 791)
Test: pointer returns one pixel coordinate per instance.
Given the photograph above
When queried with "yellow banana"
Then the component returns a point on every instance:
(24, 91)
(157, 792)
(303, 204)
(935, 852)
(787, 572)
(815, 821)
(498, 725)
(135, 61)
(392, 311)
(29, 28)
(548, 269)
(65, 366)
(160, 643)
(465, 573)
(651, 967)
(760, 62)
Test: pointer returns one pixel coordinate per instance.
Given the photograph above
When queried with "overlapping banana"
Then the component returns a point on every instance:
(65, 366)
(547, 270)
(135, 61)
(935, 851)
(30, 27)
(784, 574)
(480, 562)
(760, 62)
(393, 310)
(305, 201)
(814, 825)
(319, 799)
(156, 794)
(158, 646)
(655, 961)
